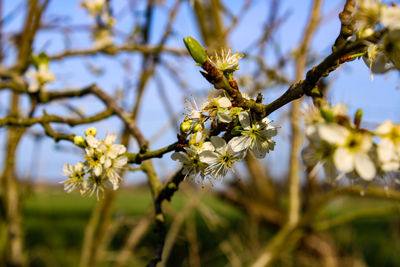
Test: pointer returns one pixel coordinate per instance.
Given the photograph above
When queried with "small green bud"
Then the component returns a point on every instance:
(79, 141)
(91, 131)
(327, 114)
(358, 117)
(195, 49)
(186, 125)
(41, 59)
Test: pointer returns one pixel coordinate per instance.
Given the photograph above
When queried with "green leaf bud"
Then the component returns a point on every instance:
(358, 117)
(195, 49)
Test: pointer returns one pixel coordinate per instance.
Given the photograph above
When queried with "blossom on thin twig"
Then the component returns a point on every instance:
(255, 136)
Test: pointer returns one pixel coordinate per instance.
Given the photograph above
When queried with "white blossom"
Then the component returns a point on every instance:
(352, 152)
(255, 136)
(39, 78)
(221, 160)
(192, 165)
(75, 177)
(226, 61)
(103, 162)
(388, 149)
(218, 107)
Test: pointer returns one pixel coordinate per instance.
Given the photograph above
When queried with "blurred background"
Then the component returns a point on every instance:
(223, 224)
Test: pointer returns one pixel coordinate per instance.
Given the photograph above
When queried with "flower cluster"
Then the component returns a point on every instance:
(41, 75)
(343, 148)
(370, 16)
(207, 154)
(100, 11)
(103, 161)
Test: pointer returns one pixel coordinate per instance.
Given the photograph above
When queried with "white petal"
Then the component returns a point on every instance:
(366, 143)
(107, 163)
(110, 138)
(244, 119)
(78, 167)
(340, 109)
(309, 156)
(207, 146)
(218, 142)
(120, 162)
(224, 102)
(333, 133)
(180, 157)
(385, 150)
(260, 149)
(265, 121)
(343, 159)
(224, 116)
(364, 166)
(92, 141)
(330, 170)
(269, 132)
(385, 128)
(68, 170)
(98, 170)
(240, 143)
(208, 157)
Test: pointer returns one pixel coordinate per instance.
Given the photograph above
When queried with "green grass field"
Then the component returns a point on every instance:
(54, 224)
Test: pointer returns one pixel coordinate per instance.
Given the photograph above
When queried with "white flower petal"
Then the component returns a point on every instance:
(385, 128)
(386, 150)
(343, 159)
(224, 102)
(244, 119)
(120, 162)
(218, 142)
(364, 166)
(78, 167)
(208, 157)
(110, 138)
(98, 170)
(180, 157)
(333, 133)
(68, 170)
(224, 116)
(240, 143)
(207, 146)
(259, 149)
(92, 141)
(309, 156)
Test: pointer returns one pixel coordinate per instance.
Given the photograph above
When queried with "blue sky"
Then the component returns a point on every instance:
(351, 84)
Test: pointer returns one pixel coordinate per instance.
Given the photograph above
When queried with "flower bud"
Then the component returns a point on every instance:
(79, 141)
(41, 59)
(186, 125)
(358, 117)
(91, 131)
(195, 49)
